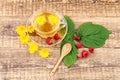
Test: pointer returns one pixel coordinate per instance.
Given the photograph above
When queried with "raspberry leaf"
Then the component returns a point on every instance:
(71, 57)
(93, 35)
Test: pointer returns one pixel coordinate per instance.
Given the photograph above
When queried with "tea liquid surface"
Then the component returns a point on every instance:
(46, 22)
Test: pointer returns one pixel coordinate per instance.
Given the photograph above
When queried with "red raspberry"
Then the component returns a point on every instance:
(79, 45)
(77, 38)
(48, 41)
(56, 37)
(91, 50)
(80, 55)
(85, 53)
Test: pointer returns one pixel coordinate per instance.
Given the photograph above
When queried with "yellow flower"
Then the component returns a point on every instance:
(40, 20)
(44, 52)
(23, 39)
(21, 30)
(33, 47)
(53, 19)
(30, 29)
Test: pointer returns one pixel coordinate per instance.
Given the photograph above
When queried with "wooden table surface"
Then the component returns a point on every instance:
(17, 64)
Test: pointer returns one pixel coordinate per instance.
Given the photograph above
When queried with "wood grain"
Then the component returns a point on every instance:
(17, 64)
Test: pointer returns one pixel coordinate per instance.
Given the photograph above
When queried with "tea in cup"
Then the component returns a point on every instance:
(46, 23)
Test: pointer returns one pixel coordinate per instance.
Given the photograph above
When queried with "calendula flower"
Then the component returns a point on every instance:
(44, 53)
(53, 19)
(21, 30)
(23, 39)
(33, 47)
(40, 20)
(30, 29)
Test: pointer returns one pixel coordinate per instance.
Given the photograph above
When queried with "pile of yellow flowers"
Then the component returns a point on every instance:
(33, 47)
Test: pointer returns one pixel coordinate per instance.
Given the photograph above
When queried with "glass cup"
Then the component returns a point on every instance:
(46, 23)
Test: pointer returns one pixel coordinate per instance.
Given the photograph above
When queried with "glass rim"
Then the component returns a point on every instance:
(45, 10)
(29, 21)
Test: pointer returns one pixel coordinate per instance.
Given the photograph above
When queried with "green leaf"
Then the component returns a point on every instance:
(93, 35)
(62, 32)
(71, 57)
(70, 25)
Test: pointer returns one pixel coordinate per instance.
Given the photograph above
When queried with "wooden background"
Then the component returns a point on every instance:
(17, 64)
